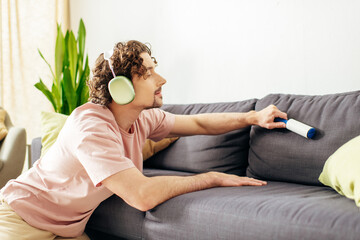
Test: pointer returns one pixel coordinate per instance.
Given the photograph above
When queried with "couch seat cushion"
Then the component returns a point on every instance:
(281, 155)
(276, 211)
(224, 153)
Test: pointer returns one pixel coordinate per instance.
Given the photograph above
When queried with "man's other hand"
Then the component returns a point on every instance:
(265, 118)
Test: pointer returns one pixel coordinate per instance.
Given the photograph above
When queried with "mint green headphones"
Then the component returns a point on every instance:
(120, 87)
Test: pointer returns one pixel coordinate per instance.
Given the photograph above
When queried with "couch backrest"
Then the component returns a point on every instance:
(278, 155)
(281, 155)
(225, 153)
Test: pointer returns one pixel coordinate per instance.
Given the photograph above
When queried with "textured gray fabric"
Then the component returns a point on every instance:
(35, 149)
(276, 211)
(151, 172)
(115, 217)
(224, 153)
(281, 155)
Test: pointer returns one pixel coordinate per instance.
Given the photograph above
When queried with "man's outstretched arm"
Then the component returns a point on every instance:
(145, 193)
(219, 123)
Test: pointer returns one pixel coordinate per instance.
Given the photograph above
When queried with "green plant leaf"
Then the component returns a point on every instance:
(65, 105)
(59, 55)
(85, 92)
(82, 74)
(52, 73)
(66, 52)
(84, 95)
(81, 42)
(72, 51)
(42, 87)
(57, 98)
(69, 90)
(82, 89)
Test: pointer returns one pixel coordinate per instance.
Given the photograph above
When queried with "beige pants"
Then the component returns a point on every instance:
(13, 227)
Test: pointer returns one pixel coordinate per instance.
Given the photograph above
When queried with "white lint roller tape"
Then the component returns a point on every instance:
(298, 127)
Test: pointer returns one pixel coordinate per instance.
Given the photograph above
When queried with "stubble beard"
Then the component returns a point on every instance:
(155, 104)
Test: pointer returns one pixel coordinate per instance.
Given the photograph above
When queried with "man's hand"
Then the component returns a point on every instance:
(265, 118)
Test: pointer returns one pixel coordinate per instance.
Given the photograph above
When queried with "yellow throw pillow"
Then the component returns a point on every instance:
(51, 124)
(3, 129)
(151, 147)
(342, 170)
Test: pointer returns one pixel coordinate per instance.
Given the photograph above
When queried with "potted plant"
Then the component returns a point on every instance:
(69, 89)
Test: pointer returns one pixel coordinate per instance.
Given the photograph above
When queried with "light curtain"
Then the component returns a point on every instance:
(25, 27)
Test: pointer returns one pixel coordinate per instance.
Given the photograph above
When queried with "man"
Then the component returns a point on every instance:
(98, 153)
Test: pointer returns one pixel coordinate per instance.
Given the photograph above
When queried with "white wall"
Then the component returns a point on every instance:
(228, 50)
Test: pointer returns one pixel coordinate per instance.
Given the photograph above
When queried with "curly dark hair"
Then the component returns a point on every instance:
(126, 61)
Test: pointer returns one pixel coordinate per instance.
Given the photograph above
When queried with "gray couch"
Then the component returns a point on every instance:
(294, 204)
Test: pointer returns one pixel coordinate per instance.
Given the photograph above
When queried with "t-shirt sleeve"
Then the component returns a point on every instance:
(161, 123)
(100, 151)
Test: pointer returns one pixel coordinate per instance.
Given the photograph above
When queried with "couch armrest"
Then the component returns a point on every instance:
(35, 149)
(12, 154)
(1, 164)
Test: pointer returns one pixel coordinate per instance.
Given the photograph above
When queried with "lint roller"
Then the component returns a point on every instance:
(298, 127)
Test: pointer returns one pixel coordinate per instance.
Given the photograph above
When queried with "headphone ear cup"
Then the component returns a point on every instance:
(121, 90)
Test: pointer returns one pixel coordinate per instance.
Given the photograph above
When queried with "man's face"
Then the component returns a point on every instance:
(148, 87)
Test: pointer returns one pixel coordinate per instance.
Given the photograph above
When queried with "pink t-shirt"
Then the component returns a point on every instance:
(63, 188)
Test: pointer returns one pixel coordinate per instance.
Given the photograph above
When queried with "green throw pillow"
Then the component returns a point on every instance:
(51, 124)
(342, 170)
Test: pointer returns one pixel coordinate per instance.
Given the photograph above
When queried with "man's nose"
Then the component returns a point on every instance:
(161, 80)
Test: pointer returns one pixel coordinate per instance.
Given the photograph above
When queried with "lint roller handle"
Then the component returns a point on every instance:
(298, 127)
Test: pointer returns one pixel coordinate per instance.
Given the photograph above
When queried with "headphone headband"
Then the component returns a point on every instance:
(107, 56)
